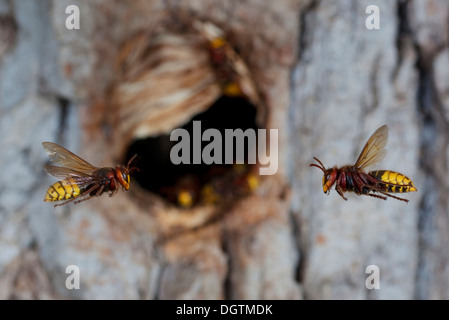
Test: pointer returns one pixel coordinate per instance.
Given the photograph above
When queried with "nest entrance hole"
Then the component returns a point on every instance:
(188, 185)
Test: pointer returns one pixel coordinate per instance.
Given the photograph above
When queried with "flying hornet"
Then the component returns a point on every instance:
(353, 177)
(80, 180)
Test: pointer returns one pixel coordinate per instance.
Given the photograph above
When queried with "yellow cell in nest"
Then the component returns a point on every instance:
(208, 195)
(253, 182)
(185, 199)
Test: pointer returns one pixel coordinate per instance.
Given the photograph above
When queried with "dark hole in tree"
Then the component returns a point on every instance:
(159, 175)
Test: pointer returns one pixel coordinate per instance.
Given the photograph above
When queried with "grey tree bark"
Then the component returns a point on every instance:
(326, 82)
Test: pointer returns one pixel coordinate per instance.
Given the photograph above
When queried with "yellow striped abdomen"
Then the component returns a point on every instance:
(63, 190)
(394, 181)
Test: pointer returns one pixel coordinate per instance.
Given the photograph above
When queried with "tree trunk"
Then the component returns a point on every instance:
(135, 71)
